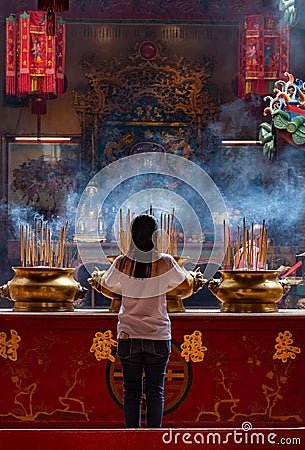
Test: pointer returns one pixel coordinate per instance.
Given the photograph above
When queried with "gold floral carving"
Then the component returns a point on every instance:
(26, 384)
(8, 347)
(118, 83)
(130, 90)
(226, 406)
(101, 346)
(192, 347)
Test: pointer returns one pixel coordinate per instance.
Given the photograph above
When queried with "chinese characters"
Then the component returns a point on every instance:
(101, 346)
(8, 347)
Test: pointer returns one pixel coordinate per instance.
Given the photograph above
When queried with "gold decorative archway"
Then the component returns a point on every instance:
(149, 87)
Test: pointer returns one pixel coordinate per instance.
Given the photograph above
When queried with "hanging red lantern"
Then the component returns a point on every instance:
(263, 54)
(35, 59)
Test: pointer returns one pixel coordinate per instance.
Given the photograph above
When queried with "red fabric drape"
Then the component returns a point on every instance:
(264, 54)
(60, 63)
(39, 67)
(10, 55)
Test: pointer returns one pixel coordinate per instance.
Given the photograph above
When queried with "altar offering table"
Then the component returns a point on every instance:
(227, 371)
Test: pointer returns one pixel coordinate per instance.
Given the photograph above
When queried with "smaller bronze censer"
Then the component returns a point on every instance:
(174, 297)
(248, 291)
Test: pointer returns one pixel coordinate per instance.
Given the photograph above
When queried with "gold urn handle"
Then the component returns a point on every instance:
(214, 284)
(5, 291)
(96, 281)
(285, 285)
(198, 280)
(80, 293)
(97, 278)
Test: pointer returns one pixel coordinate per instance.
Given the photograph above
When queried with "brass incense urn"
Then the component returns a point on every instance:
(249, 291)
(43, 289)
(174, 297)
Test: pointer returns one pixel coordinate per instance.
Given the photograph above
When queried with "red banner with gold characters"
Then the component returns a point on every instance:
(11, 54)
(263, 55)
(35, 61)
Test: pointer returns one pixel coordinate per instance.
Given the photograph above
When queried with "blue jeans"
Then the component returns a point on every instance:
(151, 357)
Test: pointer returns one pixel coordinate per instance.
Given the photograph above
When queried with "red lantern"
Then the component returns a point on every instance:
(35, 60)
(263, 54)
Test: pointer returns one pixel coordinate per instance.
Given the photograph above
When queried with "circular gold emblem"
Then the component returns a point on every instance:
(178, 381)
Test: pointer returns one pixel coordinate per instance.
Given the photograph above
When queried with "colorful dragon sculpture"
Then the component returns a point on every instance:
(287, 110)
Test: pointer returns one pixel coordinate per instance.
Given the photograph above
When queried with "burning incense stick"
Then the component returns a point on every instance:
(229, 250)
(224, 246)
(27, 246)
(128, 230)
(121, 231)
(245, 242)
(22, 245)
(252, 245)
(41, 243)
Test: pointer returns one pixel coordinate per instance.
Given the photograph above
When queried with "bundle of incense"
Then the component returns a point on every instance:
(226, 246)
(174, 241)
(164, 239)
(173, 234)
(128, 230)
(247, 255)
(167, 239)
(124, 232)
(37, 248)
(121, 234)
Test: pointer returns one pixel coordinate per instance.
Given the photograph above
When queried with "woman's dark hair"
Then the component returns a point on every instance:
(140, 253)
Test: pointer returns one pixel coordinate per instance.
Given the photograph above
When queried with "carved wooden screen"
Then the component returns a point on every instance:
(146, 96)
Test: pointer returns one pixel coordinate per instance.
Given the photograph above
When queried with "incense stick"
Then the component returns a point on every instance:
(245, 242)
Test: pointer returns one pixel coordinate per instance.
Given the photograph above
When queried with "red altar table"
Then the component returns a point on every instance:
(227, 372)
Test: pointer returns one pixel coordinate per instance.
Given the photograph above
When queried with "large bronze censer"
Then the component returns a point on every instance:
(174, 297)
(44, 281)
(248, 291)
(43, 289)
